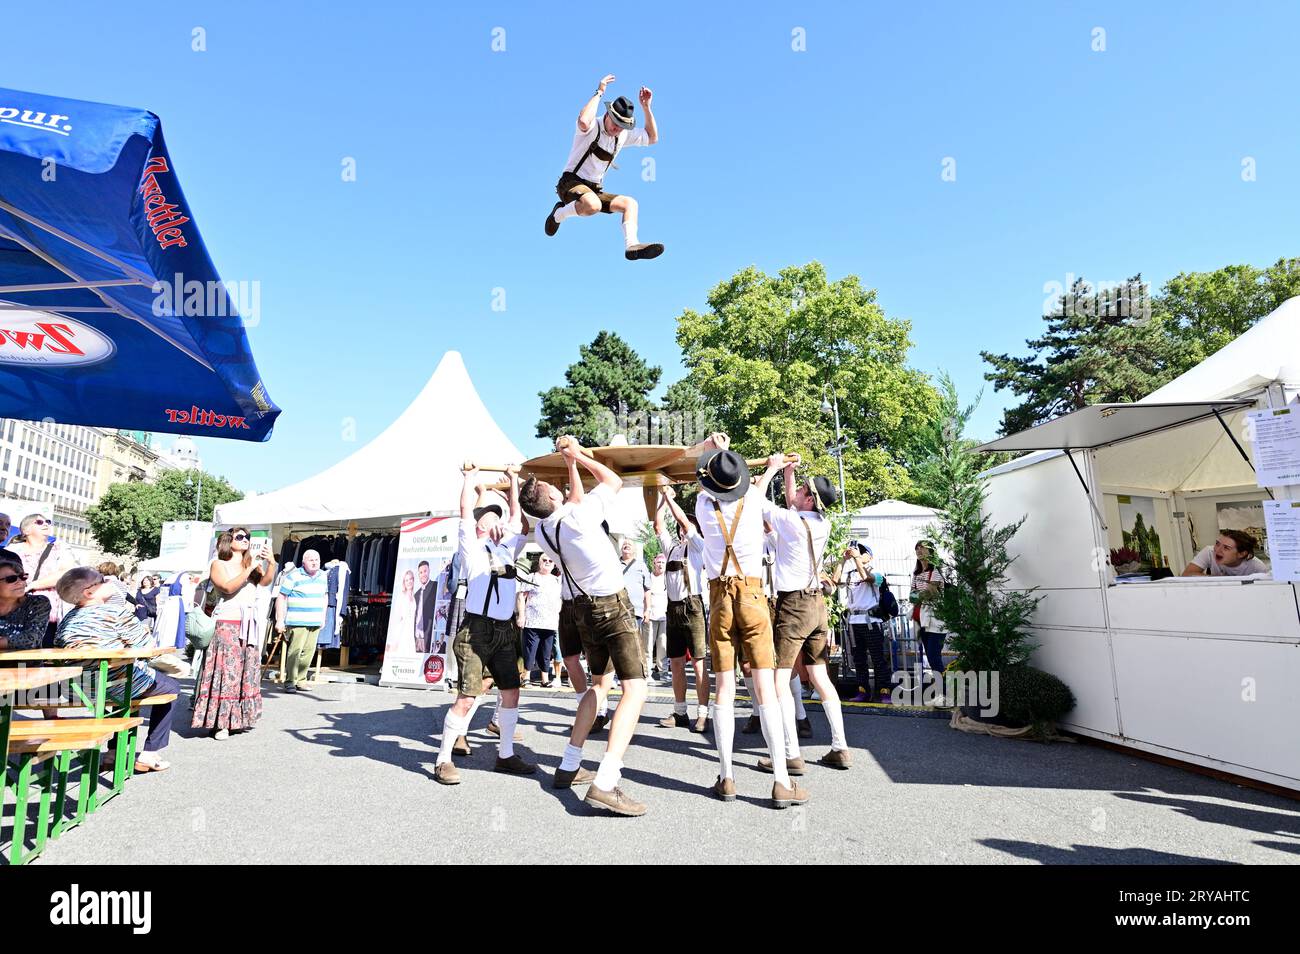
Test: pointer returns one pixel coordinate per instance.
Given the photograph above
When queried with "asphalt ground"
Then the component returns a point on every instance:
(342, 773)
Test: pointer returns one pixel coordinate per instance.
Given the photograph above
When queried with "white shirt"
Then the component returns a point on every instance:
(658, 596)
(542, 608)
(1205, 560)
(691, 552)
(584, 549)
(863, 595)
(793, 571)
(476, 565)
(593, 170)
(747, 539)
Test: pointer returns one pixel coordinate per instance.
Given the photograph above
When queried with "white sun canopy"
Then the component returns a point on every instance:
(1103, 424)
(413, 467)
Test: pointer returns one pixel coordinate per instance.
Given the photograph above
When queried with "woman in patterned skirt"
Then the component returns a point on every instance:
(230, 685)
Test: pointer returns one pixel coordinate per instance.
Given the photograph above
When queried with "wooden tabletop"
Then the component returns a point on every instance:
(8, 656)
(20, 680)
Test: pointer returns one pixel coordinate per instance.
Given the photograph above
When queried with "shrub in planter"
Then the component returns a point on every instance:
(1029, 696)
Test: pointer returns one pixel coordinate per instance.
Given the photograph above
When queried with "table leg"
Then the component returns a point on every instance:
(21, 791)
(43, 813)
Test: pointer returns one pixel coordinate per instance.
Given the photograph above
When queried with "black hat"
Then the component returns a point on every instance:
(622, 111)
(723, 473)
(823, 493)
(488, 508)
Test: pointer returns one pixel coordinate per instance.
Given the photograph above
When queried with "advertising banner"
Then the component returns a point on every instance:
(415, 651)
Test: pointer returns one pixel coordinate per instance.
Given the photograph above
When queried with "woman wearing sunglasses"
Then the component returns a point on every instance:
(24, 617)
(44, 561)
(230, 685)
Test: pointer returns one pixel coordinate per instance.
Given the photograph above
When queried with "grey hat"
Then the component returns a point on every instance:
(623, 112)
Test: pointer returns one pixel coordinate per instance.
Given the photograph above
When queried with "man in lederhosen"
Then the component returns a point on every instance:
(730, 513)
(572, 535)
(801, 628)
(684, 581)
(595, 144)
(487, 644)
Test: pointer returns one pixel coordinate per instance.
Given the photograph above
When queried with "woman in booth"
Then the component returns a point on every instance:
(1233, 554)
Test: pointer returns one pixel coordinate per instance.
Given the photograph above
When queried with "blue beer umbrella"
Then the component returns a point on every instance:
(111, 312)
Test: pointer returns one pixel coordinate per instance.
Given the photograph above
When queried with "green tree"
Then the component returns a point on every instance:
(128, 519)
(769, 349)
(1084, 357)
(1204, 311)
(608, 379)
(987, 622)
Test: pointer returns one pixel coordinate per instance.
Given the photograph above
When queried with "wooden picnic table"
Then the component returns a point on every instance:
(106, 658)
(20, 680)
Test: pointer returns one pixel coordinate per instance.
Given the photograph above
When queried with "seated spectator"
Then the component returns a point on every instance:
(24, 617)
(1233, 554)
(98, 621)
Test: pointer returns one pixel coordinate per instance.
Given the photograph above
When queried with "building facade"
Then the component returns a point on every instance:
(56, 466)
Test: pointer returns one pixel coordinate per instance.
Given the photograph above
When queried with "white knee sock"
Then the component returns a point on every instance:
(608, 774)
(835, 716)
(769, 717)
(724, 733)
(629, 233)
(506, 719)
(790, 730)
(602, 705)
(796, 690)
(572, 758)
(453, 728)
(564, 211)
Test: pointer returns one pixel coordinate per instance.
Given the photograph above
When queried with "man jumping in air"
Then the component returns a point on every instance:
(595, 144)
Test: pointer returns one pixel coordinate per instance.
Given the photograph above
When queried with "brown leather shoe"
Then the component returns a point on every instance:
(567, 779)
(496, 730)
(615, 801)
(804, 727)
(677, 720)
(461, 746)
(725, 789)
(444, 773)
(783, 797)
(836, 759)
(514, 766)
(752, 726)
(793, 766)
(598, 724)
(701, 724)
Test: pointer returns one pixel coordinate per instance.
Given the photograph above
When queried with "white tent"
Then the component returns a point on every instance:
(1269, 353)
(891, 528)
(413, 467)
(1163, 666)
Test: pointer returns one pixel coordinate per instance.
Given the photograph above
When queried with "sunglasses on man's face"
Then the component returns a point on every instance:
(13, 578)
(40, 523)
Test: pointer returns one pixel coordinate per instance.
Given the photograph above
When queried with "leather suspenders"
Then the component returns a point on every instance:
(728, 535)
(559, 554)
(604, 155)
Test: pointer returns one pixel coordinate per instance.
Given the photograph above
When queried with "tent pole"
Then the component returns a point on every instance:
(1240, 450)
(1087, 493)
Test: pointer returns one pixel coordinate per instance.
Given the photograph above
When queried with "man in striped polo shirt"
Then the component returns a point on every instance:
(300, 608)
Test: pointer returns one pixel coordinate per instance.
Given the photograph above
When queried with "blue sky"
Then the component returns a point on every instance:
(1068, 161)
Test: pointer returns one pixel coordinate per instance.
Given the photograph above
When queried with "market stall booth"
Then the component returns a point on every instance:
(1119, 497)
(382, 512)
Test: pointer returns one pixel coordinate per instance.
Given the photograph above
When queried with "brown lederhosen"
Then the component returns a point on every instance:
(685, 616)
(571, 185)
(801, 625)
(738, 617)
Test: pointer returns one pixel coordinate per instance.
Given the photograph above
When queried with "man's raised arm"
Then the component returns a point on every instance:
(572, 450)
(588, 114)
(467, 492)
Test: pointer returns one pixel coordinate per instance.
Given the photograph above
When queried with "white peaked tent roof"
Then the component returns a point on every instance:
(413, 467)
(1269, 352)
(895, 508)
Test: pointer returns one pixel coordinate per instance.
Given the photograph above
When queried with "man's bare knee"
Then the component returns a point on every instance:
(588, 205)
